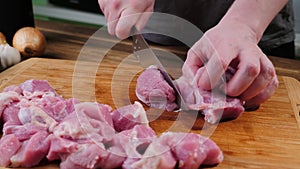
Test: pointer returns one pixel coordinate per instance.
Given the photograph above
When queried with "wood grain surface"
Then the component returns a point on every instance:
(266, 138)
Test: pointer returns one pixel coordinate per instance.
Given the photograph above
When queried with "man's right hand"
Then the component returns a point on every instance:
(122, 15)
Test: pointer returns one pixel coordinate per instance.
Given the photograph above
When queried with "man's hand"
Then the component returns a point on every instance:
(232, 44)
(122, 15)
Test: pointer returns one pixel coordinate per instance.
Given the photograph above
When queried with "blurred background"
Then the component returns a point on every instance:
(87, 12)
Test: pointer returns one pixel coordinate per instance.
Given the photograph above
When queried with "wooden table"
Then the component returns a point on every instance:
(266, 138)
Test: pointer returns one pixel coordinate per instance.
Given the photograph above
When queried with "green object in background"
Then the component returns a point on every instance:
(39, 2)
(41, 17)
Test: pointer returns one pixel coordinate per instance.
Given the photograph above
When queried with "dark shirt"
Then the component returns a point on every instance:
(205, 14)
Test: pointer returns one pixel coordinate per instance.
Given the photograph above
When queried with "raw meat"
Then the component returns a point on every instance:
(9, 145)
(151, 87)
(128, 116)
(213, 104)
(186, 150)
(40, 125)
(32, 151)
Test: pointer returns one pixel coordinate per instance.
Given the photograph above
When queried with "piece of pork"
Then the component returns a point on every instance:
(60, 148)
(214, 105)
(9, 145)
(89, 122)
(127, 117)
(133, 142)
(153, 90)
(10, 115)
(156, 156)
(6, 99)
(192, 150)
(184, 150)
(36, 86)
(36, 116)
(32, 151)
(23, 132)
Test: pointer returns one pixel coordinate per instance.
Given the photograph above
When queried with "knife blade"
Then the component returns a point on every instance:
(147, 57)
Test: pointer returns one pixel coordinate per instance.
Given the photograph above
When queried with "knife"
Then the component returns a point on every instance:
(147, 57)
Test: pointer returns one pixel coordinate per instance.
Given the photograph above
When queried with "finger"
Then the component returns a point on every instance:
(196, 59)
(266, 74)
(112, 21)
(102, 5)
(264, 95)
(247, 71)
(141, 23)
(214, 70)
(112, 13)
(128, 19)
(192, 63)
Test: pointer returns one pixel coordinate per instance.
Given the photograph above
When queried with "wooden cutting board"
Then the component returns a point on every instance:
(266, 138)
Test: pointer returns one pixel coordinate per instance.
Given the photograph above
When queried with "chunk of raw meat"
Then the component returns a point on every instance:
(213, 104)
(90, 156)
(127, 117)
(6, 99)
(32, 151)
(153, 90)
(23, 132)
(36, 116)
(192, 150)
(133, 142)
(33, 86)
(9, 145)
(89, 122)
(10, 115)
(156, 156)
(85, 157)
(60, 148)
(186, 150)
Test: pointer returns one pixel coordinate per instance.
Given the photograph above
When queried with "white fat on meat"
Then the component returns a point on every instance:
(6, 98)
(36, 116)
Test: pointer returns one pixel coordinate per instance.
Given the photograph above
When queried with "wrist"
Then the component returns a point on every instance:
(240, 29)
(256, 15)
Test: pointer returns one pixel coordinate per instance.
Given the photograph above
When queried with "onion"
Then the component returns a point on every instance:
(29, 41)
(2, 38)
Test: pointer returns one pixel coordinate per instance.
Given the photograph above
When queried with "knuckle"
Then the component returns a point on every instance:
(135, 3)
(269, 72)
(252, 69)
(115, 4)
(191, 53)
(140, 5)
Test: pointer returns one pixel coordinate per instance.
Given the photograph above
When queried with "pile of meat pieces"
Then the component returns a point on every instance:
(154, 90)
(39, 126)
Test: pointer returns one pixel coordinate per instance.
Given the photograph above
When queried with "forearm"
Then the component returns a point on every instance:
(256, 14)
